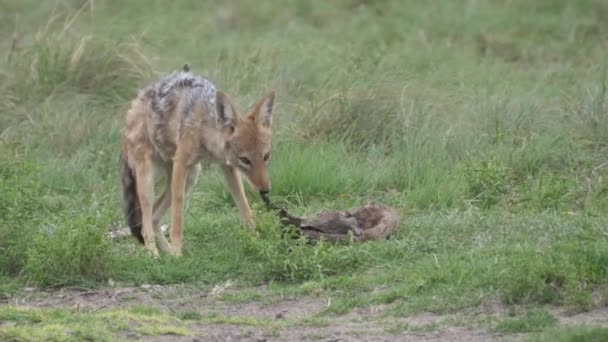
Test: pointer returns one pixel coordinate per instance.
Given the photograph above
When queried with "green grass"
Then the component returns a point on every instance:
(483, 122)
(58, 325)
(531, 321)
(579, 333)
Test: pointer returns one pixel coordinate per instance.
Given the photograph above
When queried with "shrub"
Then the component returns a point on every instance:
(74, 251)
(21, 206)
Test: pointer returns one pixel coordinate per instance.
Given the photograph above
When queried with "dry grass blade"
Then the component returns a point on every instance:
(14, 41)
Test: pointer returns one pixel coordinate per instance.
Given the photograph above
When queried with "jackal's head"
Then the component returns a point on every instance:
(248, 141)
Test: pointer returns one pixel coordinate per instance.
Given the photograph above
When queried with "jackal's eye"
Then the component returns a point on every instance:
(267, 156)
(245, 160)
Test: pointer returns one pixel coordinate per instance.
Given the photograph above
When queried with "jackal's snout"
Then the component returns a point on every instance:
(260, 180)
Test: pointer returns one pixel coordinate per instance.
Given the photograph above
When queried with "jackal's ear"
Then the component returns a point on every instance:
(262, 112)
(226, 112)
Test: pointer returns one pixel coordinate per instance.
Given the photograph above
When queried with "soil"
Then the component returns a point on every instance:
(365, 324)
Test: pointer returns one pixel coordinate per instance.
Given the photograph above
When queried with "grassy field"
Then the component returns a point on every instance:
(484, 122)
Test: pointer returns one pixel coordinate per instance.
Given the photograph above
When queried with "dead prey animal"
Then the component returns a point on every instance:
(371, 222)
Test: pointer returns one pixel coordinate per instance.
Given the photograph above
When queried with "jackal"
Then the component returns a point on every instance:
(173, 125)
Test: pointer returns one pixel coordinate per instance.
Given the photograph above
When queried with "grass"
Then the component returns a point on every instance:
(532, 321)
(483, 122)
(580, 333)
(57, 324)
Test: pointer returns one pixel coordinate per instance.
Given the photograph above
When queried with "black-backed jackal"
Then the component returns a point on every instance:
(173, 125)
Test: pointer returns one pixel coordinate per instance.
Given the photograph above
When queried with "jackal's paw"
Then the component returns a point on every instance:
(177, 250)
(152, 249)
(248, 222)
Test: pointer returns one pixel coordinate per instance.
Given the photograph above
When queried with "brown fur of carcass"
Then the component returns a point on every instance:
(371, 222)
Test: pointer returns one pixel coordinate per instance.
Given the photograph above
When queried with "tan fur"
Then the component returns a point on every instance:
(175, 141)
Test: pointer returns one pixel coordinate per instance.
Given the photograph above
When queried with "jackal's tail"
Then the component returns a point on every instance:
(129, 192)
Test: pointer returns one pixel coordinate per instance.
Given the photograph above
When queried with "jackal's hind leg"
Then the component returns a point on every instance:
(160, 208)
(192, 177)
(145, 192)
(164, 202)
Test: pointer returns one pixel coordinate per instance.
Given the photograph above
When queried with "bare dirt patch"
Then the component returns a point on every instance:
(597, 317)
(285, 319)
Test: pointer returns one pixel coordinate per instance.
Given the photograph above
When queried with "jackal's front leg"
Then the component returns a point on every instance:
(235, 185)
(145, 192)
(178, 187)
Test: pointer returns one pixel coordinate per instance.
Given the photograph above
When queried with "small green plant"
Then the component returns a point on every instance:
(535, 281)
(531, 321)
(573, 334)
(34, 324)
(191, 315)
(21, 208)
(76, 250)
(488, 182)
(284, 255)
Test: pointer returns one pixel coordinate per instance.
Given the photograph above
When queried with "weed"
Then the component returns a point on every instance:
(78, 250)
(284, 256)
(577, 333)
(531, 321)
